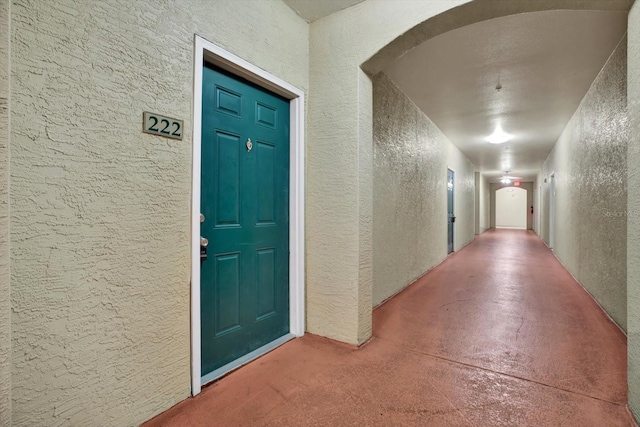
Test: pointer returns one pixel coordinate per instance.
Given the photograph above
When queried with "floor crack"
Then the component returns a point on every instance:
(422, 353)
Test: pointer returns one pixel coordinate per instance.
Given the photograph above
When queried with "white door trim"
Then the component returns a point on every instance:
(205, 50)
(552, 211)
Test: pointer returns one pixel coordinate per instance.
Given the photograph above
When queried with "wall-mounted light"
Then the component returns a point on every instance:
(505, 180)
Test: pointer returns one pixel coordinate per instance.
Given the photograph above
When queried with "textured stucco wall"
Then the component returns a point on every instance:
(633, 205)
(365, 210)
(589, 161)
(339, 139)
(5, 290)
(411, 156)
(339, 255)
(100, 211)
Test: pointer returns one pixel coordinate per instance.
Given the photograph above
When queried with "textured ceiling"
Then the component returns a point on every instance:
(545, 62)
(310, 10)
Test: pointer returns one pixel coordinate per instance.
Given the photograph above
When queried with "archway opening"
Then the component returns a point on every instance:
(511, 208)
(396, 153)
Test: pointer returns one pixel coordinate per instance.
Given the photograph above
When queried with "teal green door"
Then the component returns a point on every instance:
(244, 282)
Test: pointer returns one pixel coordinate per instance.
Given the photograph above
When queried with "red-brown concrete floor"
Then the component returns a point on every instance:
(497, 335)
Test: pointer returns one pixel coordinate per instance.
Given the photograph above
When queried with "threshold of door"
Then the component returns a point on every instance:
(223, 370)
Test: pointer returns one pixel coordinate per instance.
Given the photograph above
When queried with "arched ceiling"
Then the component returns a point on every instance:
(545, 63)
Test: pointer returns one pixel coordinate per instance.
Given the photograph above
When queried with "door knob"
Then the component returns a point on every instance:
(201, 218)
(203, 242)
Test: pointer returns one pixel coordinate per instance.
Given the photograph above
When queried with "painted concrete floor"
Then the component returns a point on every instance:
(497, 335)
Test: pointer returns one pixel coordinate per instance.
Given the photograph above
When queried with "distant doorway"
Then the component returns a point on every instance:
(451, 219)
(552, 210)
(511, 208)
(536, 211)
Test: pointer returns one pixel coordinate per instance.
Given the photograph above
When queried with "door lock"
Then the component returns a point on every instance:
(203, 249)
(203, 243)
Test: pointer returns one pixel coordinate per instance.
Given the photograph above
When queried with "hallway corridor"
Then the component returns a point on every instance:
(499, 334)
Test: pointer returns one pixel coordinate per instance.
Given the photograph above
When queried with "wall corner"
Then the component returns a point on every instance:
(633, 207)
(5, 290)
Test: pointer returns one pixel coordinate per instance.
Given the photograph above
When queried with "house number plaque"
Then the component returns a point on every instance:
(160, 125)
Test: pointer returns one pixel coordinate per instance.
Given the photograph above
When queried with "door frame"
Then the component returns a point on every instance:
(552, 210)
(205, 50)
(453, 243)
(537, 209)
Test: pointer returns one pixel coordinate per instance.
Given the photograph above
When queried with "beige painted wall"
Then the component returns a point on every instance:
(108, 213)
(339, 171)
(633, 206)
(5, 290)
(589, 161)
(411, 156)
(100, 211)
(339, 161)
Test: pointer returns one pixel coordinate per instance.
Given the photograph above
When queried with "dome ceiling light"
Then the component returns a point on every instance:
(499, 136)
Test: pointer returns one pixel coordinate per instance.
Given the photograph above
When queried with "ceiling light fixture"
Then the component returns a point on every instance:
(508, 179)
(499, 136)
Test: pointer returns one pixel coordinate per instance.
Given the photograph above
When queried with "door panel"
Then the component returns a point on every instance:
(266, 115)
(266, 283)
(228, 102)
(245, 202)
(266, 156)
(227, 297)
(227, 163)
